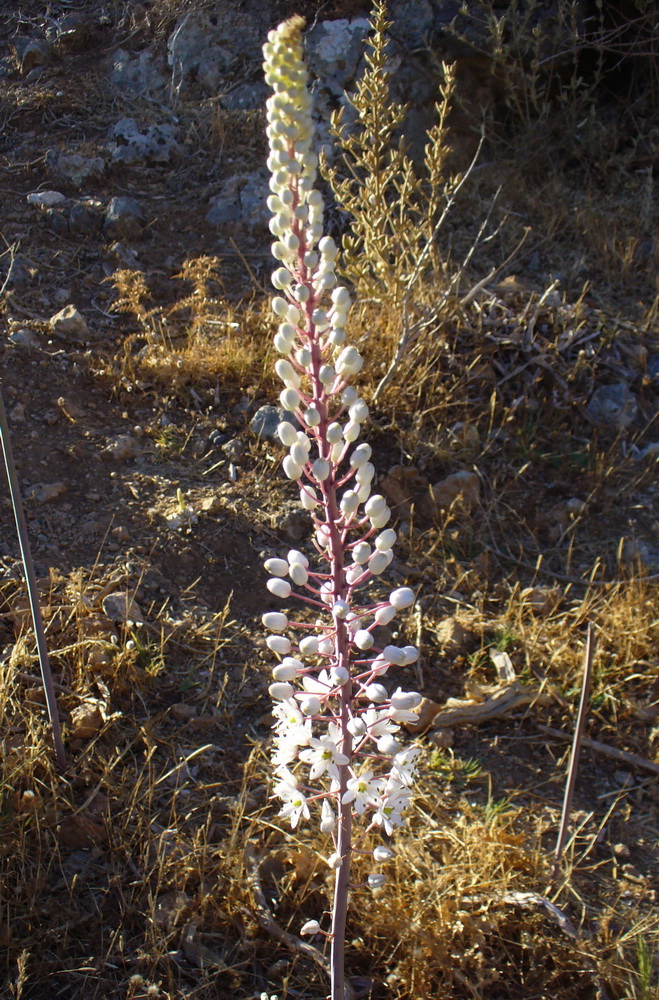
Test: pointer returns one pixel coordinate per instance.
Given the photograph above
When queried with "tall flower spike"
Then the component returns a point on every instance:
(336, 752)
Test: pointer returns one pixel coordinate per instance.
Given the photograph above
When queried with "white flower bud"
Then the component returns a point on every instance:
(284, 672)
(303, 357)
(341, 609)
(308, 498)
(363, 639)
(327, 817)
(281, 344)
(278, 644)
(281, 691)
(341, 297)
(339, 676)
(311, 927)
(379, 520)
(311, 416)
(301, 293)
(289, 398)
(376, 693)
(356, 727)
(360, 456)
(384, 615)
(334, 861)
(364, 492)
(349, 362)
(385, 540)
(351, 431)
(299, 574)
(394, 654)
(358, 411)
(278, 567)
(361, 553)
(278, 587)
(401, 598)
(291, 468)
(334, 433)
(366, 473)
(353, 573)
(411, 655)
(349, 395)
(294, 556)
(327, 247)
(299, 454)
(375, 505)
(320, 469)
(282, 277)
(337, 337)
(336, 452)
(327, 375)
(382, 853)
(274, 621)
(309, 645)
(349, 503)
(309, 704)
(319, 317)
(375, 880)
(377, 563)
(405, 699)
(287, 373)
(387, 745)
(279, 306)
(287, 433)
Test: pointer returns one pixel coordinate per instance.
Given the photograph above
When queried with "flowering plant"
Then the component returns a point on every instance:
(337, 727)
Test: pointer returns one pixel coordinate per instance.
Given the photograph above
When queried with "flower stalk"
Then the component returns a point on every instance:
(336, 746)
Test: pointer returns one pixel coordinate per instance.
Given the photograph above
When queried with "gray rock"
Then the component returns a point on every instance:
(137, 73)
(206, 46)
(294, 524)
(125, 255)
(56, 220)
(127, 143)
(234, 449)
(75, 168)
(122, 607)
(32, 52)
(70, 31)
(334, 51)
(81, 220)
(47, 492)
(46, 199)
(612, 408)
(24, 338)
(123, 447)
(123, 218)
(69, 324)
(266, 420)
(245, 97)
(242, 197)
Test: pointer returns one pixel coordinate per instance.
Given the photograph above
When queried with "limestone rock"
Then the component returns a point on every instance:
(123, 218)
(69, 324)
(612, 408)
(462, 488)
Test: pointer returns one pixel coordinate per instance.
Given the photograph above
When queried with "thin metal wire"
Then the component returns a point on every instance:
(32, 590)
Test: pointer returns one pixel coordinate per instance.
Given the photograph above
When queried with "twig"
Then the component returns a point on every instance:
(408, 331)
(574, 756)
(631, 759)
(32, 589)
(268, 922)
